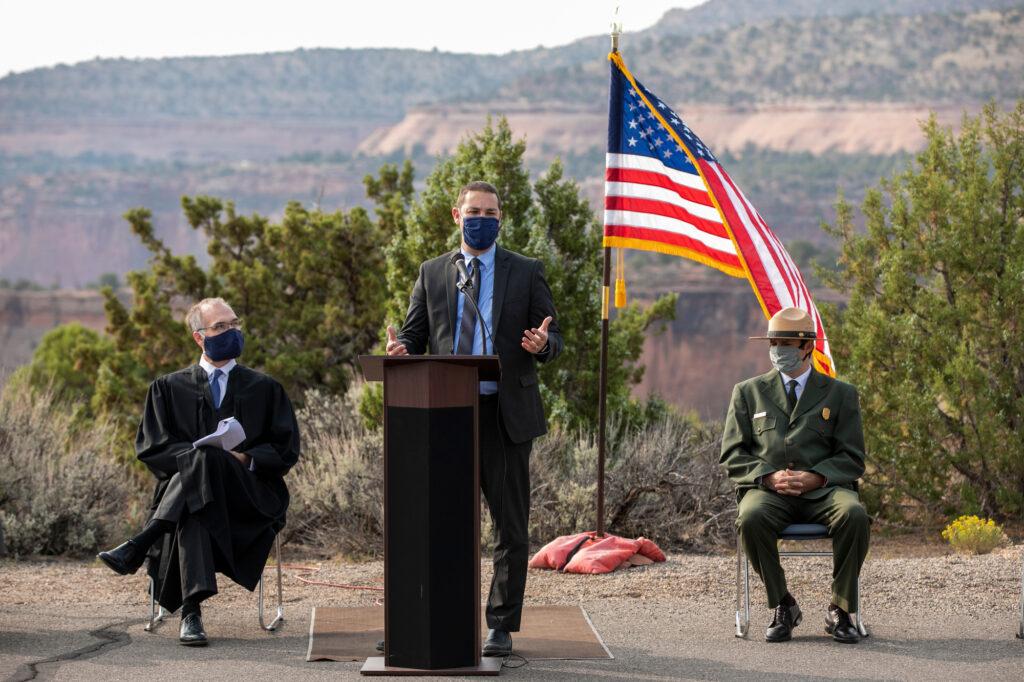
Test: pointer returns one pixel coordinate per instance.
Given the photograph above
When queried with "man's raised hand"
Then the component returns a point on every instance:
(536, 340)
(395, 347)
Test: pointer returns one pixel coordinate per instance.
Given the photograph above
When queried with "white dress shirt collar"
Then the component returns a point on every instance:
(209, 366)
(801, 380)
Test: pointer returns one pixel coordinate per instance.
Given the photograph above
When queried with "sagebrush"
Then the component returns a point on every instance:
(62, 490)
(663, 482)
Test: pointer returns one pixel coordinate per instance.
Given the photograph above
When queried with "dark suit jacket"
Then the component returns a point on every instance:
(823, 434)
(521, 301)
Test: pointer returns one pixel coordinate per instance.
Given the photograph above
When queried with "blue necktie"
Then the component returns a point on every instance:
(467, 326)
(215, 387)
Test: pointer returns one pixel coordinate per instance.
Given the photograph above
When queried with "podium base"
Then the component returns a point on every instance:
(375, 666)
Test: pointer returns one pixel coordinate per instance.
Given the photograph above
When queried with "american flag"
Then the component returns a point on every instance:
(665, 191)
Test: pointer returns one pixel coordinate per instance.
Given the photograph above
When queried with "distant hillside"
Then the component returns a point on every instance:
(735, 52)
(799, 96)
(339, 84)
(933, 58)
(714, 16)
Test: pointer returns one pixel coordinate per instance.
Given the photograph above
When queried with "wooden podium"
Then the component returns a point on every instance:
(431, 513)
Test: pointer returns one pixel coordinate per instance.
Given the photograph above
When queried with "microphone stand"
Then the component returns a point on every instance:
(486, 334)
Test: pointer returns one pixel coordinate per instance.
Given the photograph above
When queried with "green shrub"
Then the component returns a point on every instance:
(973, 535)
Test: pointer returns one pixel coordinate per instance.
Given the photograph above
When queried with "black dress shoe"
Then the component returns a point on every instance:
(498, 643)
(839, 625)
(783, 621)
(123, 559)
(192, 633)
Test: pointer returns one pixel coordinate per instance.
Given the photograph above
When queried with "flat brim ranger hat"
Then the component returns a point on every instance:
(791, 323)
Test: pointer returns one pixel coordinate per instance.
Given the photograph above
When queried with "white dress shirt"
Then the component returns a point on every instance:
(222, 380)
(801, 381)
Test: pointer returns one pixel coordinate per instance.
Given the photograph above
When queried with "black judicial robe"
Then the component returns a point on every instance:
(241, 510)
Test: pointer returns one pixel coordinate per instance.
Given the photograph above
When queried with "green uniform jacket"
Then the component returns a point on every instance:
(823, 435)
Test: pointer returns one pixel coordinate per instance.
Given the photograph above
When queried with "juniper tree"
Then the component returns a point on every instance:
(932, 335)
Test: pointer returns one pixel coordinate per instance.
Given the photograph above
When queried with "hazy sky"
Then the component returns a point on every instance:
(37, 33)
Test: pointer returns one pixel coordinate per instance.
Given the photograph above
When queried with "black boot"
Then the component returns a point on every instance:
(840, 626)
(124, 559)
(192, 633)
(498, 643)
(786, 617)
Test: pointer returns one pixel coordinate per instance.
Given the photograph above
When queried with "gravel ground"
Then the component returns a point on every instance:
(932, 615)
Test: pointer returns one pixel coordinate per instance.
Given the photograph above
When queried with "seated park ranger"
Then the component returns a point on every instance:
(794, 447)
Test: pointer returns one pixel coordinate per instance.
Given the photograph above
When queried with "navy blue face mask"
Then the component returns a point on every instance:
(224, 346)
(479, 232)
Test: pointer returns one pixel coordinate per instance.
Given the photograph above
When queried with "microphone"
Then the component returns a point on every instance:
(459, 261)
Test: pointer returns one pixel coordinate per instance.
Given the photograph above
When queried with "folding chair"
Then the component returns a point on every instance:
(798, 532)
(157, 615)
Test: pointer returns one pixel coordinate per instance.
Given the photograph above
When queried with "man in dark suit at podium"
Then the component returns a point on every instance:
(518, 315)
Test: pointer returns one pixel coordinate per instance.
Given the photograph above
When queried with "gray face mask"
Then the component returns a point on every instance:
(786, 359)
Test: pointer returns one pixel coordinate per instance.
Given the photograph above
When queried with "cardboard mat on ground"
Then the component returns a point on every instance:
(548, 633)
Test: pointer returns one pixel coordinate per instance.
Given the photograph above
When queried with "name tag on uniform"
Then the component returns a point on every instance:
(760, 414)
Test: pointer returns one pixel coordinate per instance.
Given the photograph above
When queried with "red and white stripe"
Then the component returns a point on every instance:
(772, 271)
(646, 200)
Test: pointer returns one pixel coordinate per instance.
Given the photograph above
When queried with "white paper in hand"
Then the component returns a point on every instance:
(227, 436)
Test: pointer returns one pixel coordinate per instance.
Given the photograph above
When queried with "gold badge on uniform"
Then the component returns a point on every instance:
(825, 413)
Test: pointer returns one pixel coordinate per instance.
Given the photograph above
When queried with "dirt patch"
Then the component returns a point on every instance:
(904, 570)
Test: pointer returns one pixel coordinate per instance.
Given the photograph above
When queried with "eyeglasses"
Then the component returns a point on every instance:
(223, 326)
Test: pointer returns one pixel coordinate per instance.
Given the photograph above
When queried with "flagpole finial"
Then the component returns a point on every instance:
(616, 30)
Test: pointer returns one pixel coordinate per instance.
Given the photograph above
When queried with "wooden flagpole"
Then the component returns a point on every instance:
(602, 413)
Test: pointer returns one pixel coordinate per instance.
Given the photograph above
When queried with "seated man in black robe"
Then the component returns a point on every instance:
(214, 511)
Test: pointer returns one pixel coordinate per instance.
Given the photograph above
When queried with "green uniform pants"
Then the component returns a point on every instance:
(764, 513)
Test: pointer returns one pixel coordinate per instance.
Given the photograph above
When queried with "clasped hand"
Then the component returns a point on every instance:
(789, 482)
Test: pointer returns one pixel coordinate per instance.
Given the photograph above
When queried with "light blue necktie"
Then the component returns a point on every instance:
(215, 387)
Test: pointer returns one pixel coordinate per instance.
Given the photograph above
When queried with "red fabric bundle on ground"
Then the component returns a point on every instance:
(586, 553)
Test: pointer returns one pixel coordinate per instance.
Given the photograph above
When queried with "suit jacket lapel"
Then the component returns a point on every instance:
(771, 386)
(501, 270)
(451, 277)
(814, 391)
